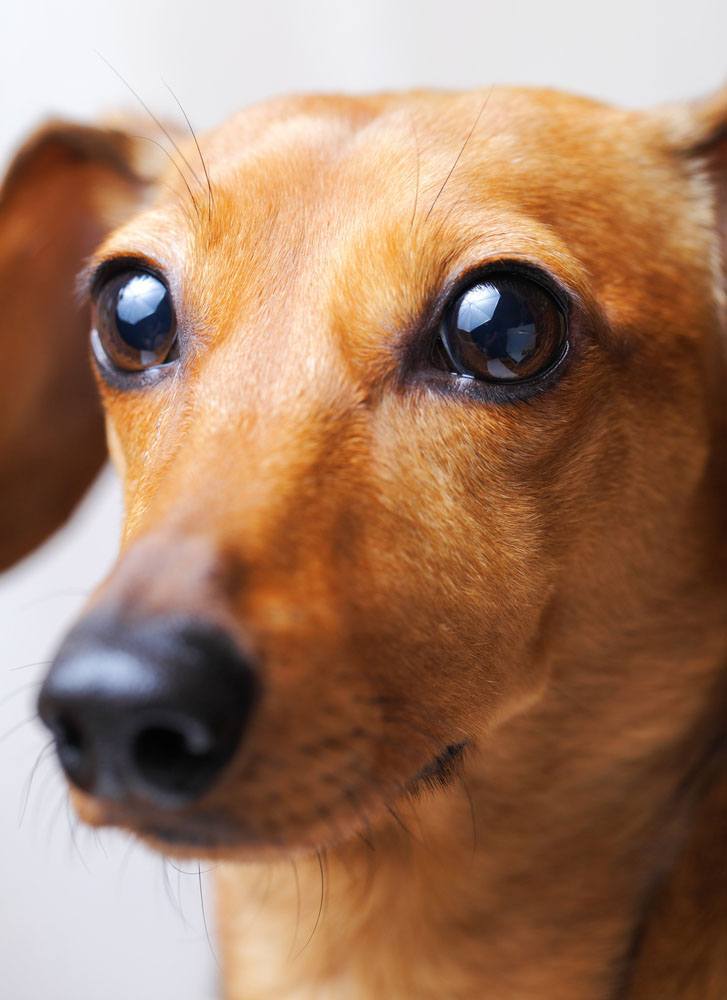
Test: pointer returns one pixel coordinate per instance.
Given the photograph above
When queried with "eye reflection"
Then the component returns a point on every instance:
(144, 315)
(135, 321)
(505, 329)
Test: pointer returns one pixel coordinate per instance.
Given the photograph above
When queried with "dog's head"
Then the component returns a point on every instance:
(414, 398)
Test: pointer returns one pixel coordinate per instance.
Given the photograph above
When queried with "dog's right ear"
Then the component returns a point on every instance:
(706, 145)
(64, 190)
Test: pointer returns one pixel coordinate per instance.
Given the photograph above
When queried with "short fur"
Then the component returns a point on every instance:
(490, 757)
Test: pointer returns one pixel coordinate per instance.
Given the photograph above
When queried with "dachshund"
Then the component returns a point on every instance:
(419, 623)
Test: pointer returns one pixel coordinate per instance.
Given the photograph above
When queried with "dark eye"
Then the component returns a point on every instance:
(506, 328)
(134, 321)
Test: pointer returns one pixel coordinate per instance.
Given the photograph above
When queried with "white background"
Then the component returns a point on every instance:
(91, 922)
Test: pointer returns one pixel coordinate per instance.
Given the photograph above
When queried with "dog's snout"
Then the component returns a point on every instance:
(151, 711)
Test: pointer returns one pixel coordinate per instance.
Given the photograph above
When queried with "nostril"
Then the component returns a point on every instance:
(69, 734)
(175, 758)
(71, 746)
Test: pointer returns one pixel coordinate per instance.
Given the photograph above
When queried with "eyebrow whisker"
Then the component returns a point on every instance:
(416, 192)
(161, 126)
(461, 151)
(210, 195)
(159, 145)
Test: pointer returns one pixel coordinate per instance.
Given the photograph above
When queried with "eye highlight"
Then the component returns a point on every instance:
(503, 328)
(134, 321)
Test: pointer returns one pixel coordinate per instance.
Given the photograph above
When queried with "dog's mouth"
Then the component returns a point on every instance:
(206, 833)
(165, 730)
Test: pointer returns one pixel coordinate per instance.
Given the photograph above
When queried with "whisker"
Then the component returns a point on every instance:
(52, 597)
(98, 841)
(204, 916)
(56, 813)
(126, 860)
(195, 872)
(19, 690)
(369, 831)
(17, 727)
(210, 195)
(397, 818)
(364, 839)
(25, 795)
(163, 148)
(297, 908)
(473, 818)
(368, 839)
(407, 830)
(176, 903)
(162, 127)
(320, 905)
(44, 787)
(459, 154)
(168, 887)
(416, 192)
(326, 878)
(27, 666)
(179, 887)
(73, 824)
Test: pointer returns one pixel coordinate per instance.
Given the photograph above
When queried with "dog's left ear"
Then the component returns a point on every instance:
(64, 190)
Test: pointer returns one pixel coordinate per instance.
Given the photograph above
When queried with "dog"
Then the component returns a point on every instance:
(418, 626)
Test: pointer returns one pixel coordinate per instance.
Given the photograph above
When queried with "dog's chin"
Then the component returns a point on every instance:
(216, 836)
(182, 835)
(186, 841)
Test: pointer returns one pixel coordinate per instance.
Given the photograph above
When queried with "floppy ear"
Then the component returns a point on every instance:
(708, 145)
(66, 187)
(707, 148)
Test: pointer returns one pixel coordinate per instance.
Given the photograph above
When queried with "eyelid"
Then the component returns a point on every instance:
(95, 275)
(502, 267)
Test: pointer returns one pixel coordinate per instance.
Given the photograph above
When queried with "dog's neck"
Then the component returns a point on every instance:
(530, 876)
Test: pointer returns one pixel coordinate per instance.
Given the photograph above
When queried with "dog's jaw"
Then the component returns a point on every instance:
(531, 875)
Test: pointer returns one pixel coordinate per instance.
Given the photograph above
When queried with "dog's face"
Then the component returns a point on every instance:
(395, 401)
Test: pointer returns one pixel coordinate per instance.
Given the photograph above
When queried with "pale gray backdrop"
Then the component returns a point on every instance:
(94, 921)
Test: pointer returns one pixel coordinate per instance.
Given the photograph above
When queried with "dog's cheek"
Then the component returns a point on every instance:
(116, 452)
(455, 581)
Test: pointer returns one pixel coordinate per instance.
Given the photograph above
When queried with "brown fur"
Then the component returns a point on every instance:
(65, 189)
(542, 580)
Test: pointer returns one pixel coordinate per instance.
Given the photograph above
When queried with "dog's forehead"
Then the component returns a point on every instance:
(415, 156)
(348, 212)
(507, 142)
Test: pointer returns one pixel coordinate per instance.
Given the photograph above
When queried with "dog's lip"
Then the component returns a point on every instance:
(187, 835)
(184, 829)
(440, 768)
(200, 833)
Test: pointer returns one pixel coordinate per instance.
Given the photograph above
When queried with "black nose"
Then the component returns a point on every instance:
(149, 709)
